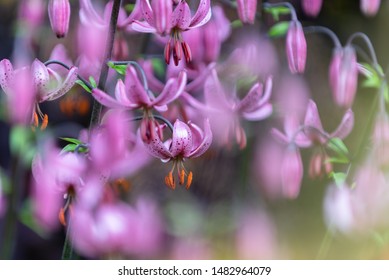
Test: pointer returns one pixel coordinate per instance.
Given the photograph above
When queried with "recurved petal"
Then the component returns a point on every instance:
(206, 139)
(121, 94)
(312, 118)
(202, 15)
(142, 26)
(172, 90)
(105, 99)
(157, 148)
(162, 16)
(256, 98)
(261, 113)
(182, 140)
(346, 125)
(6, 74)
(65, 86)
(181, 16)
(136, 92)
(147, 11)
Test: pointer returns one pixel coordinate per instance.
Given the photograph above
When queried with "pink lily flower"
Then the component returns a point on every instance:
(227, 110)
(370, 7)
(3, 202)
(57, 179)
(89, 16)
(133, 95)
(188, 141)
(160, 17)
(343, 74)
(312, 7)
(247, 10)
(59, 15)
(47, 84)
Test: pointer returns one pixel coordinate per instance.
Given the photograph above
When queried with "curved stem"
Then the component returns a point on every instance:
(138, 67)
(158, 117)
(47, 63)
(97, 107)
(285, 4)
(326, 31)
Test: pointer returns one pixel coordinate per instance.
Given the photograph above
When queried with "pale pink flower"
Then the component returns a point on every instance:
(59, 15)
(343, 75)
(370, 7)
(247, 10)
(381, 139)
(255, 236)
(296, 47)
(312, 7)
(292, 172)
(117, 229)
(191, 248)
(226, 109)
(32, 12)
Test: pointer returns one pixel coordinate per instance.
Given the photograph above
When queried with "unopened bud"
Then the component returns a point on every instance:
(59, 15)
(370, 7)
(296, 47)
(312, 7)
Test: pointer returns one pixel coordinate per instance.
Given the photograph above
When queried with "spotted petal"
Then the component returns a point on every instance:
(64, 86)
(182, 140)
(181, 16)
(202, 15)
(6, 74)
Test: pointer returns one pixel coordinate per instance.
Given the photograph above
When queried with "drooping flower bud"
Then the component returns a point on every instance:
(291, 172)
(370, 7)
(296, 47)
(344, 76)
(247, 10)
(59, 15)
(312, 7)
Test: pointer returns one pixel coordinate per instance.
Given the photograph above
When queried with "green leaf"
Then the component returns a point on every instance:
(277, 11)
(386, 92)
(279, 29)
(21, 143)
(120, 69)
(92, 82)
(71, 140)
(338, 146)
(236, 23)
(27, 218)
(342, 160)
(339, 178)
(83, 85)
(158, 66)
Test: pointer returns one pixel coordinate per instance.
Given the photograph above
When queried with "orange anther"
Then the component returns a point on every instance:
(189, 180)
(36, 119)
(45, 122)
(182, 176)
(61, 217)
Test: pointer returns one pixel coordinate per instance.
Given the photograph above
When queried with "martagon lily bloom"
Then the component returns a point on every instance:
(48, 84)
(161, 17)
(188, 141)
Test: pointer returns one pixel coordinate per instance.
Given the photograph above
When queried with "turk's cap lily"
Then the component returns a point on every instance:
(296, 47)
(50, 84)
(247, 10)
(188, 141)
(59, 15)
(132, 94)
(180, 17)
(291, 172)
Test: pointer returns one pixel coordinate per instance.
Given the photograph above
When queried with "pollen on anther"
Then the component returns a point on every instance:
(61, 217)
(189, 180)
(182, 176)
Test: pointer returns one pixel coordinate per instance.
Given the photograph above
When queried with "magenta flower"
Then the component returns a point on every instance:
(291, 172)
(57, 178)
(370, 7)
(43, 84)
(226, 109)
(343, 74)
(132, 94)
(296, 47)
(188, 141)
(312, 7)
(161, 18)
(247, 10)
(59, 15)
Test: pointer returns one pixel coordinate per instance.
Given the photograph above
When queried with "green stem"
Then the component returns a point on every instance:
(97, 107)
(325, 245)
(67, 252)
